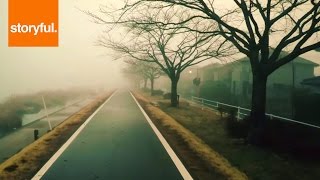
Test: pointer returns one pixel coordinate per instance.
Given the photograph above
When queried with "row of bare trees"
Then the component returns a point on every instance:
(176, 34)
(171, 48)
(137, 70)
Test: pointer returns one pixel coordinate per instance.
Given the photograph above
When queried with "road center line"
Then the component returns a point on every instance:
(182, 169)
(46, 167)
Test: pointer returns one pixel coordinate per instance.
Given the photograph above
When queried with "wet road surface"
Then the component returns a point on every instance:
(117, 143)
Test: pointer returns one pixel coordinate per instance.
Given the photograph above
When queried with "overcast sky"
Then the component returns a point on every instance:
(75, 62)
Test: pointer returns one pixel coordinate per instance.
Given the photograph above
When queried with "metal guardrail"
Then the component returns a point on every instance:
(241, 112)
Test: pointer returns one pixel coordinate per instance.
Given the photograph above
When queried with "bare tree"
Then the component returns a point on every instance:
(172, 48)
(145, 70)
(134, 77)
(153, 72)
(253, 27)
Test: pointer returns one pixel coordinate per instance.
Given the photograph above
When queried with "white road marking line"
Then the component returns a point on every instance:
(182, 169)
(46, 167)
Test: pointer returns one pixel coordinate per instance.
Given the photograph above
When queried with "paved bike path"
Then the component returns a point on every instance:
(118, 143)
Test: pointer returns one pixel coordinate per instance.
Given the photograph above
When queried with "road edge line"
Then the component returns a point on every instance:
(181, 168)
(50, 162)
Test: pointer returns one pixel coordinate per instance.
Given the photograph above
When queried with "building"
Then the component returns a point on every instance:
(236, 79)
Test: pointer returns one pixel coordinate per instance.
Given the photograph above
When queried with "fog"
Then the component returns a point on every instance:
(76, 62)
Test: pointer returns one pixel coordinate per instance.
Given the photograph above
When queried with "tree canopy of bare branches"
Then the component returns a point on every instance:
(145, 70)
(261, 30)
(172, 48)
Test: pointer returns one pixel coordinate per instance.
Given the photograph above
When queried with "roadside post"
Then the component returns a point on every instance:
(47, 116)
(36, 134)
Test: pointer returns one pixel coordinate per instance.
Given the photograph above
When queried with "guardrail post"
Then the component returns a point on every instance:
(238, 116)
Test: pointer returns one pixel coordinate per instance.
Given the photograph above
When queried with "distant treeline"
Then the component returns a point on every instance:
(14, 107)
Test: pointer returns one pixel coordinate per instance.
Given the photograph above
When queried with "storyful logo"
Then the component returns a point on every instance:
(33, 23)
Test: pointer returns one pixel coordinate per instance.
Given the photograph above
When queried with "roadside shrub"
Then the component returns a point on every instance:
(307, 106)
(296, 138)
(220, 109)
(145, 89)
(167, 96)
(237, 128)
(158, 92)
(280, 136)
(227, 109)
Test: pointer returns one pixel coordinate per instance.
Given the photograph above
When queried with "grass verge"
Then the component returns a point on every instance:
(26, 163)
(255, 162)
(221, 167)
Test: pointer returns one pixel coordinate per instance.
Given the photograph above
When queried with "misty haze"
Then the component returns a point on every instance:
(144, 89)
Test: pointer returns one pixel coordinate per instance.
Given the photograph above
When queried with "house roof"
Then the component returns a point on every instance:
(298, 60)
(305, 61)
(315, 81)
(214, 65)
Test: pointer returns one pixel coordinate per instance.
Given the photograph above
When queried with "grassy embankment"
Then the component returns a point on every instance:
(16, 106)
(207, 125)
(219, 166)
(26, 163)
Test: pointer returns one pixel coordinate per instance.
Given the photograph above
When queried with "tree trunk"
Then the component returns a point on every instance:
(151, 84)
(145, 83)
(174, 92)
(258, 109)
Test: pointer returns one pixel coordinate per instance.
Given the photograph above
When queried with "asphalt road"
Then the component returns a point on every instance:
(15, 141)
(118, 143)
